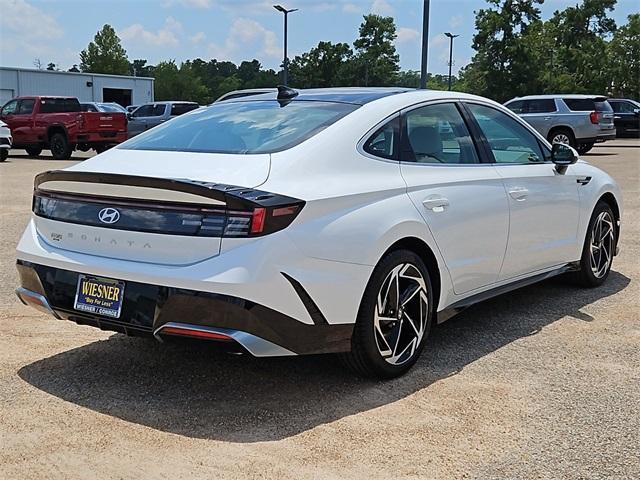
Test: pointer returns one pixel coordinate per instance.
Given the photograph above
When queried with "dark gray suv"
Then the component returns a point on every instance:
(577, 120)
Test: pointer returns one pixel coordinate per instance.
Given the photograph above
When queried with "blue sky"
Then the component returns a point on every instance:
(56, 30)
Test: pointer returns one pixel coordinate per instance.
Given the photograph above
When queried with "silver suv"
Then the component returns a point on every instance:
(151, 114)
(577, 120)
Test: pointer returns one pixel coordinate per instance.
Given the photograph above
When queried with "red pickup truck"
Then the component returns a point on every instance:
(57, 124)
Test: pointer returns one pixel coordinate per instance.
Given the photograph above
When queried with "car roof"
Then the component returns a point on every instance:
(169, 102)
(353, 95)
(573, 96)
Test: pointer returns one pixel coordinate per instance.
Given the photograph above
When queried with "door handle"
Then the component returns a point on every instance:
(518, 193)
(547, 118)
(435, 203)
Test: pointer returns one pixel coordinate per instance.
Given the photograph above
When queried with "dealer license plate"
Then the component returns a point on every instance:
(99, 296)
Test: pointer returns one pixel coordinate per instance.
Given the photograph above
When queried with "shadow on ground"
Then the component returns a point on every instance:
(199, 392)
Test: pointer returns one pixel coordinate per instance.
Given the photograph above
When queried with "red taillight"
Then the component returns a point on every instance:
(186, 332)
(257, 220)
(594, 117)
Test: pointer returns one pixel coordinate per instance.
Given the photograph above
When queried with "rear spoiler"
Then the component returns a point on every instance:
(235, 197)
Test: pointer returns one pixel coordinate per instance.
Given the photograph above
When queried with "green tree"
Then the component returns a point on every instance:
(322, 66)
(376, 62)
(179, 83)
(139, 68)
(105, 54)
(502, 67)
(624, 52)
(51, 67)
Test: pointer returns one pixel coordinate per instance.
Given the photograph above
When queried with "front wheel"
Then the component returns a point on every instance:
(599, 247)
(394, 317)
(562, 135)
(33, 151)
(4, 153)
(60, 148)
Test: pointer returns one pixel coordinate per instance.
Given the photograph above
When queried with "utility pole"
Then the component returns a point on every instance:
(451, 37)
(285, 63)
(425, 44)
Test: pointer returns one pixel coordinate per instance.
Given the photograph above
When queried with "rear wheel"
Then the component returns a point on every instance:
(4, 153)
(33, 151)
(599, 247)
(562, 135)
(60, 148)
(584, 148)
(394, 317)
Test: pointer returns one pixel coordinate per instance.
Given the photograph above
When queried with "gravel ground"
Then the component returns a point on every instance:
(541, 383)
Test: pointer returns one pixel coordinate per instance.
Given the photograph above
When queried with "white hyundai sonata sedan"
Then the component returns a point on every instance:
(315, 221)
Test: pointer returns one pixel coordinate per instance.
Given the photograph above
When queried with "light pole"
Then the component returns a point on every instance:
(425, 44)
(451, 37)
(286, 12)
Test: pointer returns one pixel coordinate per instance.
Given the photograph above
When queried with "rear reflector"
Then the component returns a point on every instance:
(187, 332)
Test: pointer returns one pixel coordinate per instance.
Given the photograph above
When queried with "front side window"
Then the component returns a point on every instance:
(143, 111)
(437, 134)
(623, 107)
(26, 107)
(258, 126)
(384, 142)
(509, 141)
(10, 108)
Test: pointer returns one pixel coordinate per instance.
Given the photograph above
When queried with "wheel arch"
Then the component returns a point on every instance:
(56, 128)
(555, 128)
(420, 248)
(610, 200)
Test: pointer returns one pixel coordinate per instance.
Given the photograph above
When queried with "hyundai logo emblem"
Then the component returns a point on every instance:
(109, 215)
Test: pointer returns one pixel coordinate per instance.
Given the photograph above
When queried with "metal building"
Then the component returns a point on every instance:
(88, 87)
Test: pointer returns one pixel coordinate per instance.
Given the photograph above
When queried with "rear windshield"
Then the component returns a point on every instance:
(105, 107)
(59, 105)
(587, 105)
(259, 126)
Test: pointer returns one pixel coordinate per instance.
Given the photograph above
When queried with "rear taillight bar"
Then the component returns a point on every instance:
(594, 117)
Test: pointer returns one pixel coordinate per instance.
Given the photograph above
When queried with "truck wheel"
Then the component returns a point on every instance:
(60, 148)
(101, 148)
(584, 148)
(562, 135)
(33, 151)
(4, 153)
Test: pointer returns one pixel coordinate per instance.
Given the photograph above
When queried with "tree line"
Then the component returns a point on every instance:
(578, 50)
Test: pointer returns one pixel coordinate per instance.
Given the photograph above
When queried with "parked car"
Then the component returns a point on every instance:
(152, 114)
(626, 116)
(131, 108)
(577, 120)
(316, 221)
(102, 107)
(247, 92)
(5, 141)
(58, 124)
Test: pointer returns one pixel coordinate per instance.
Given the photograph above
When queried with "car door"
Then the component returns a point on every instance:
(461, 199)
(22, 122)
(626, 116)
(543, 204)
(138, 119)
(158, 115)
(538, 113)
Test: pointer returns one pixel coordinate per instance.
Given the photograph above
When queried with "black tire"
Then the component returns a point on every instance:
(60, 148)
(365, 357)
(33, 151)
(101, 148)
(584, 148)
(4, 153)
(586, 277)
(562, 133)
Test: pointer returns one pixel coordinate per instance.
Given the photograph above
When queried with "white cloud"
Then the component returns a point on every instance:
(167, 36)
(407, 35)
(351, 8)
(189, 3)
(382, 7)
(25, 29)
(198, 38)
(246, 32)
(455, 21)
(322, 7)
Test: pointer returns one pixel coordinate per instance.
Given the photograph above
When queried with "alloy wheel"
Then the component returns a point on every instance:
(602, 244)
(561, 138)
(401, 314)
(57, 147)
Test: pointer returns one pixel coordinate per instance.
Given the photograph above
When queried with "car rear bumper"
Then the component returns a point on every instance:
(107, 137)
(600, 138)
(156, 310)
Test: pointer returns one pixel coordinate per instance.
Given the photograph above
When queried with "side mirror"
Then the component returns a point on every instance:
(563, 156)
(129, 115)
(637, 112)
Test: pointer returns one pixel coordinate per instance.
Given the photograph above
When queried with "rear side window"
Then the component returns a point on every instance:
(437, 134)
(262, 126)
(26, 107)
(180, 108)
(542, 105)
(587, 105)
(384, 142)
(59, 105)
